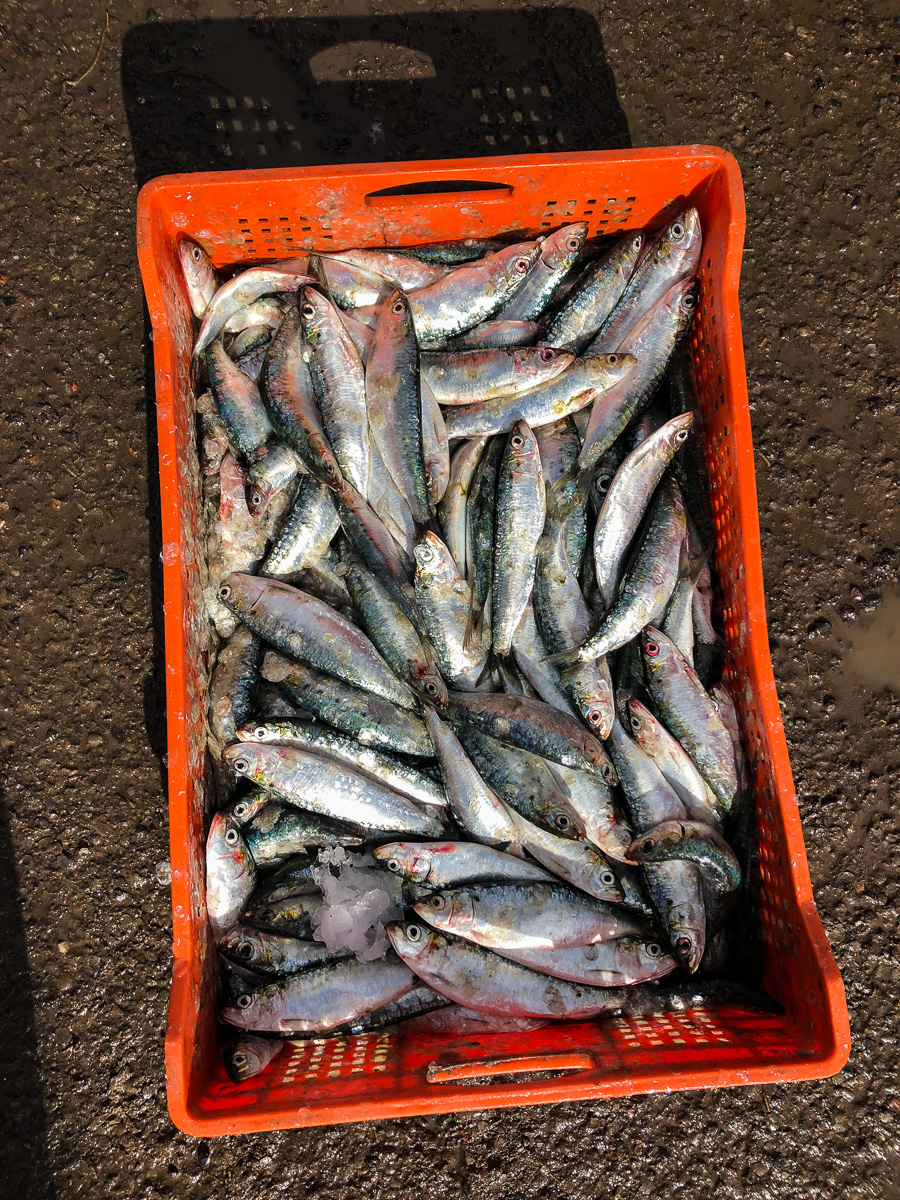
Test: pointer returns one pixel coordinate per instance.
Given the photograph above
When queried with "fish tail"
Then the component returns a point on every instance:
(474, 626)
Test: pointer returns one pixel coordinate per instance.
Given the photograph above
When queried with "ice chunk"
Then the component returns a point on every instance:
(359, 898)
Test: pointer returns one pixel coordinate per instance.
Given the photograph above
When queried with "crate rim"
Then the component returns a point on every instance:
(186, 1114)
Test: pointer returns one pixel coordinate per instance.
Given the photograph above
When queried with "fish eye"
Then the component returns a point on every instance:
(612, 359)
(603, 483)
(517, 441)
(654, 949)
(648, 844)
(521, 265)
(240, 810)
(239, 1060)
(594, 716)
(398, 308)
(608, 772)
(308, 310)
(394, 864)
(689, 301)
(683, 945)
(231, 837)
(573, 243)
(635, 722)
(244, 1000)
(414, 933)
(681, 435)
(652, 649)
(432, 689)
(547, 354)
(637, 243)
(256, 500)
(563, 822)
(438, 903)
(196, 253)
(607, 878)
(245, 950)
(242, 767)
(260, 733)
(224, 592)
(677, 231)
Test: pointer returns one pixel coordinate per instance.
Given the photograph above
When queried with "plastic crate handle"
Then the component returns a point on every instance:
(440, 191)
(436, 1073)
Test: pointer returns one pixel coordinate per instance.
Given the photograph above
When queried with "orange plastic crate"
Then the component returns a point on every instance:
(275, 214)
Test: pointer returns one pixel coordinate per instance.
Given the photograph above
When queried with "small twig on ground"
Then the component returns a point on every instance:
(81, 78)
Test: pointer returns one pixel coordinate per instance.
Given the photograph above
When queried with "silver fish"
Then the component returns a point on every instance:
(616, 963)
(238, 543)
(249, 1056)
(453, 507)
(443, 599)
(594, 296)
(243, 289)
(559, 252)
(230, 874)
(444, 864)
(475, 376)
(199, 275)
(519, 521)
(306, 534)
(675, 763)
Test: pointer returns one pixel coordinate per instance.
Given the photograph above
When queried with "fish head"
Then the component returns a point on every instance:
(259, 1009)
(594, 698)
(240, 591)
(409, 859)
(604, 882)
(521, 445)
(676, 431)
(247, 1057)
(323, 463)
(641, 721)
(245, 945)
(512, 262)
(227, 856)
(259, 493)
(453, 911)
(428, 681)
(644, 958)
(681, 302)
(598, 758)
(411, 939)
(613, 837)
(433, 559)
(682, 237)
(250, 759)
(395, 319)
(540, 364)
(656, 844)
(657, 651)
(245, 809)
(198, 271)
(631, 252)
(317, 315)
(605, 370)
(687, 934)
(560, 250)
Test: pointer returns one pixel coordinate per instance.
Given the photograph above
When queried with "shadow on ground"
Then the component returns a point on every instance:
(214, 95)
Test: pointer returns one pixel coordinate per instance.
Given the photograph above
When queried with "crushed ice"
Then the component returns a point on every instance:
(359, 899)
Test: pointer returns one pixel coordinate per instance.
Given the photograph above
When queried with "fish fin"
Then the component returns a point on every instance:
(564, 658)
(560, 503)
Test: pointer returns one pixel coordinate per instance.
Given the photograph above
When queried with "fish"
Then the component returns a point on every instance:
(651, 343)
(581, 384)
(395, 405)
(648, 584)
(271, 473)
(690, 714)
(559, 253)
(238, 542)
(727, 711)
(339, 385)
(709, 649)
(394, 635)
(476, 977)
(351, 284)
(230, 874)
(444, 602)
(290, 401)
(233, 684)
(690, 841)
(594, 296)
(477, 809)
(240, 404)
(329, 788)
(453, 508)
(389, 768)
(375, 545)
(480, 517)
(320, 998)
(444, 864)
(560, 446)
(247, 1057)
(256, 320)
(591, 799)
(199, 275)
(518, 524)
(272, 953)
(670, 258)
(678, 623)
(475, 376)
(236, 293)
(530, 656)
(400, 270)
(306, 534)
(627, 499)
(455, 252)
(675, 764)
(288, 916)
(503, 914)
(572, 860)
(279, 830)
(535, 726)
(244, 808)
(435, 446)
(493, 335)
(619, 962)
(302, 626)
(389, 505)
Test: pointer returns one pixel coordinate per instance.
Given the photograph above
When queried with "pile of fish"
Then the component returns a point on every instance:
(474, 765)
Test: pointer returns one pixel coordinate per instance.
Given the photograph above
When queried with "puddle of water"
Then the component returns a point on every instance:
(874, 646)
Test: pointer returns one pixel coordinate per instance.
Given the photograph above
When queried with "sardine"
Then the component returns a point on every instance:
(519, 521)
(230, 874)
(475, 376)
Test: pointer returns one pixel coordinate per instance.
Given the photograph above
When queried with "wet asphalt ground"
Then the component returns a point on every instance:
(806, 96)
